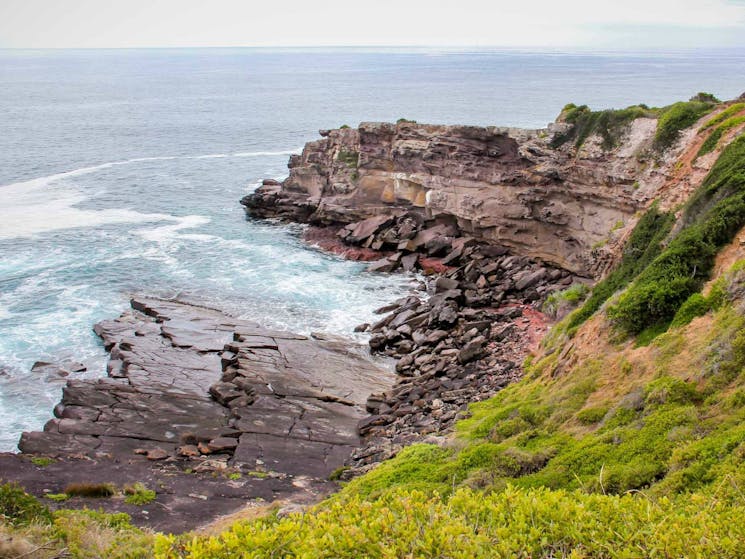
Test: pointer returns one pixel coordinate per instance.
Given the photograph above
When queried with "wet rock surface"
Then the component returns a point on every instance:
(192, 393)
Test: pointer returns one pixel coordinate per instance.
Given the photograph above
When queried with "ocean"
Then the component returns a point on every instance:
(121, 172)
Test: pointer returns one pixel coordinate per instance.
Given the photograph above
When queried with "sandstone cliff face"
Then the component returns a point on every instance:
(564, 206)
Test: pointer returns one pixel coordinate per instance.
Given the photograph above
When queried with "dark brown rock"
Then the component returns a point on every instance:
(223, 444)
(156, 454)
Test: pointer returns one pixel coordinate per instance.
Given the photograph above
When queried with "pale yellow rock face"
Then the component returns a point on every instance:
(565, 206)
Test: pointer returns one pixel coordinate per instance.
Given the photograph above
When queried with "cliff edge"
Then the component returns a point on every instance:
(567, 194)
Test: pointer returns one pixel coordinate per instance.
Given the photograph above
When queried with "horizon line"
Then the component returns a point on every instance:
(393, 46)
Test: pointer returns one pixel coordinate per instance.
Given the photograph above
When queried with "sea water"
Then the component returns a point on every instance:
(121, 172)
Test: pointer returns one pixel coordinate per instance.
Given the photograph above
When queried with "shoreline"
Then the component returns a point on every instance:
(420, 402)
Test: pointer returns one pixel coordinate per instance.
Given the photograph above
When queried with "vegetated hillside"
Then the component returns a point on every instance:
(613, 445)
(625, 438)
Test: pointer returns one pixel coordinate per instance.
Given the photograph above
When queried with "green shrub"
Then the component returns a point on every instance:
(588, 416)
(349, 158)
(670, 390)
(608, 124)
(18, 508)
(57, 497)
(711, 219)
(730, 111)
(138, 494)
(91, 534)
(703, 97)
(695, 305)
(713, 140)
(676, 118)
(710, 143)
(338, 473)
(561, 301)
(643, 246)
(718, 294)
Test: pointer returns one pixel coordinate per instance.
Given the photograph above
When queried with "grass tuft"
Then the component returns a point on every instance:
(138, 494)
(90, 490)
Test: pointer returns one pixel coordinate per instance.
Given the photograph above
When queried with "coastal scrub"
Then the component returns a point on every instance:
(712, 217)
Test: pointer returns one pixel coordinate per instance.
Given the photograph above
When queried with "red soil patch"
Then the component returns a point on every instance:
(325, 239)
(434, 266)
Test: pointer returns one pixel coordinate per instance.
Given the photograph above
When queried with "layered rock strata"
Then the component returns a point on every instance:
(502, 185)
(194, 384)
(191, 389)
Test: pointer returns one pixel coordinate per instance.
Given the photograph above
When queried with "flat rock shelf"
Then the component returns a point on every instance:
(193, 396)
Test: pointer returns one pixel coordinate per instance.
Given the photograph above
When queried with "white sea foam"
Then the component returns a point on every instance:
(265, 153)
(33, 208)
(40, 205)
(167, 232)
(4, 312)
(46, 180)
(243, 154)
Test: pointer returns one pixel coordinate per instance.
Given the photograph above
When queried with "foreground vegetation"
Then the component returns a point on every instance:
(533, 524)
(28, 529)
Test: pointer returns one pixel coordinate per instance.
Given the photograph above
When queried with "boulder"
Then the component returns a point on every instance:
(472, 350)
(155, 454)
(224, 392)
(409, 262)
(358, 232)
(382, 266)
(445, 284)
(530, 279)
(223, 444)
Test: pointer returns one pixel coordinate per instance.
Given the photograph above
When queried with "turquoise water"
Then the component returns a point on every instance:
(121, 173)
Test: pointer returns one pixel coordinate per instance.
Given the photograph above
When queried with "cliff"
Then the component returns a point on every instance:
(566, 203)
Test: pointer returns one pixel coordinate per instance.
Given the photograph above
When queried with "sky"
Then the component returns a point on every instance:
(275, 23)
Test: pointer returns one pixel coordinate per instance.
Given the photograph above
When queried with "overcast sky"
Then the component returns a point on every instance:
(513, 23)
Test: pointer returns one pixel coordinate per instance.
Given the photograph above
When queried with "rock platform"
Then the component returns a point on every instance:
(196, 401)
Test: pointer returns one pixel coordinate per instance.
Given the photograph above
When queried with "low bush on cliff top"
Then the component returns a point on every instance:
(609, 124)
(676, 118)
